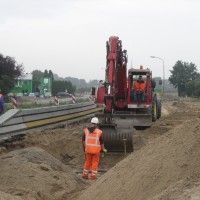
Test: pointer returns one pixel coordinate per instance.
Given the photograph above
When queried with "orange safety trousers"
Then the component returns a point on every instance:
(91, 160)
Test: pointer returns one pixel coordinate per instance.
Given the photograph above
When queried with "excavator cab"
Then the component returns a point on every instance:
(140, 88)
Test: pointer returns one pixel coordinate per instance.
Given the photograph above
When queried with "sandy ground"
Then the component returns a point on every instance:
(164, 165)
(6, 196)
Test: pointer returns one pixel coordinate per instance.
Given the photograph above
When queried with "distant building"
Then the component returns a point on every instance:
(168, 87)
(46, 86)
(23, 85)
(159, 86)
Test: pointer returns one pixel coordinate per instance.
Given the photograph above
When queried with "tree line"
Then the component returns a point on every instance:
(10, 71)
(184, 76)
(57, 85)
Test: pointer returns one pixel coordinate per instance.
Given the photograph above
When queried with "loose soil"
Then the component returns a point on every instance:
(48, 164)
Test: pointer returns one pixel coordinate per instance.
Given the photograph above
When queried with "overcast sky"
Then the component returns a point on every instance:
(69, 36)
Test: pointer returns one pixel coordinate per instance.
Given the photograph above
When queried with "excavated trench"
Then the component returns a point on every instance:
(65, 157)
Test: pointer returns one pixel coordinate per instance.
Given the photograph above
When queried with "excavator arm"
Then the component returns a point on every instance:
(115, 76)
(117, 134)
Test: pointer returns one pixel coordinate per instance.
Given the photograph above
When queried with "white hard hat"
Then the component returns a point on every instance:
(94, 120)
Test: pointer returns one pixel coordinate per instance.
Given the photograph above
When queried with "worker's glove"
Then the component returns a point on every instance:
(105, 150)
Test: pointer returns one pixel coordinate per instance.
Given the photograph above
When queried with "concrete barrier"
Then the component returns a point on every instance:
(16, 120)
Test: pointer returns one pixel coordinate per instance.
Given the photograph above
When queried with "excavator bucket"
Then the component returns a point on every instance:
(116, 140)
(118, 134)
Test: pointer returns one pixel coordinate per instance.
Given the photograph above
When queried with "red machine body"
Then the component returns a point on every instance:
(115, 76)
(121, 113)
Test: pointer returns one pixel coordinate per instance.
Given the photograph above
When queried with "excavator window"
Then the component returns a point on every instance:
(138, 95)
(136, 77)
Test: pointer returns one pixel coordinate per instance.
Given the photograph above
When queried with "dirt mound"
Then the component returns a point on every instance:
(32, 173)
(5, 196)
(186, 189)
(64, 144)
(168, 164)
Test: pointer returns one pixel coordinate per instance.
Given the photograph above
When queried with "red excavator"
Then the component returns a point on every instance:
(124, 108)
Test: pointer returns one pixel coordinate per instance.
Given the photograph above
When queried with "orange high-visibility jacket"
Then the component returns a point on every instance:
(139, 86)
(142, 86)
(92, 143)
(136, 85)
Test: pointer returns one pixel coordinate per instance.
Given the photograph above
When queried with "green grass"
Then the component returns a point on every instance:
(24, 104)
(9, 106)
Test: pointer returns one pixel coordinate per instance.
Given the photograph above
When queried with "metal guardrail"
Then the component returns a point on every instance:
(17, 120)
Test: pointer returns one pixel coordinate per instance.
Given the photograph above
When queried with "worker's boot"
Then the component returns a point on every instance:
(93, 177)
(85, 176)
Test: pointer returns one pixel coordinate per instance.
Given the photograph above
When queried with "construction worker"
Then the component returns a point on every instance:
(138, 90)
(92, 145)
(1, 103)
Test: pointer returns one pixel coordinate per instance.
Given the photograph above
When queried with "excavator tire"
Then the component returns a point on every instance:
(117, 141)
(159, 108)
(154, 110)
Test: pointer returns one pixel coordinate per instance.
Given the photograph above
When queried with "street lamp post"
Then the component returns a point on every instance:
(163, 71)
